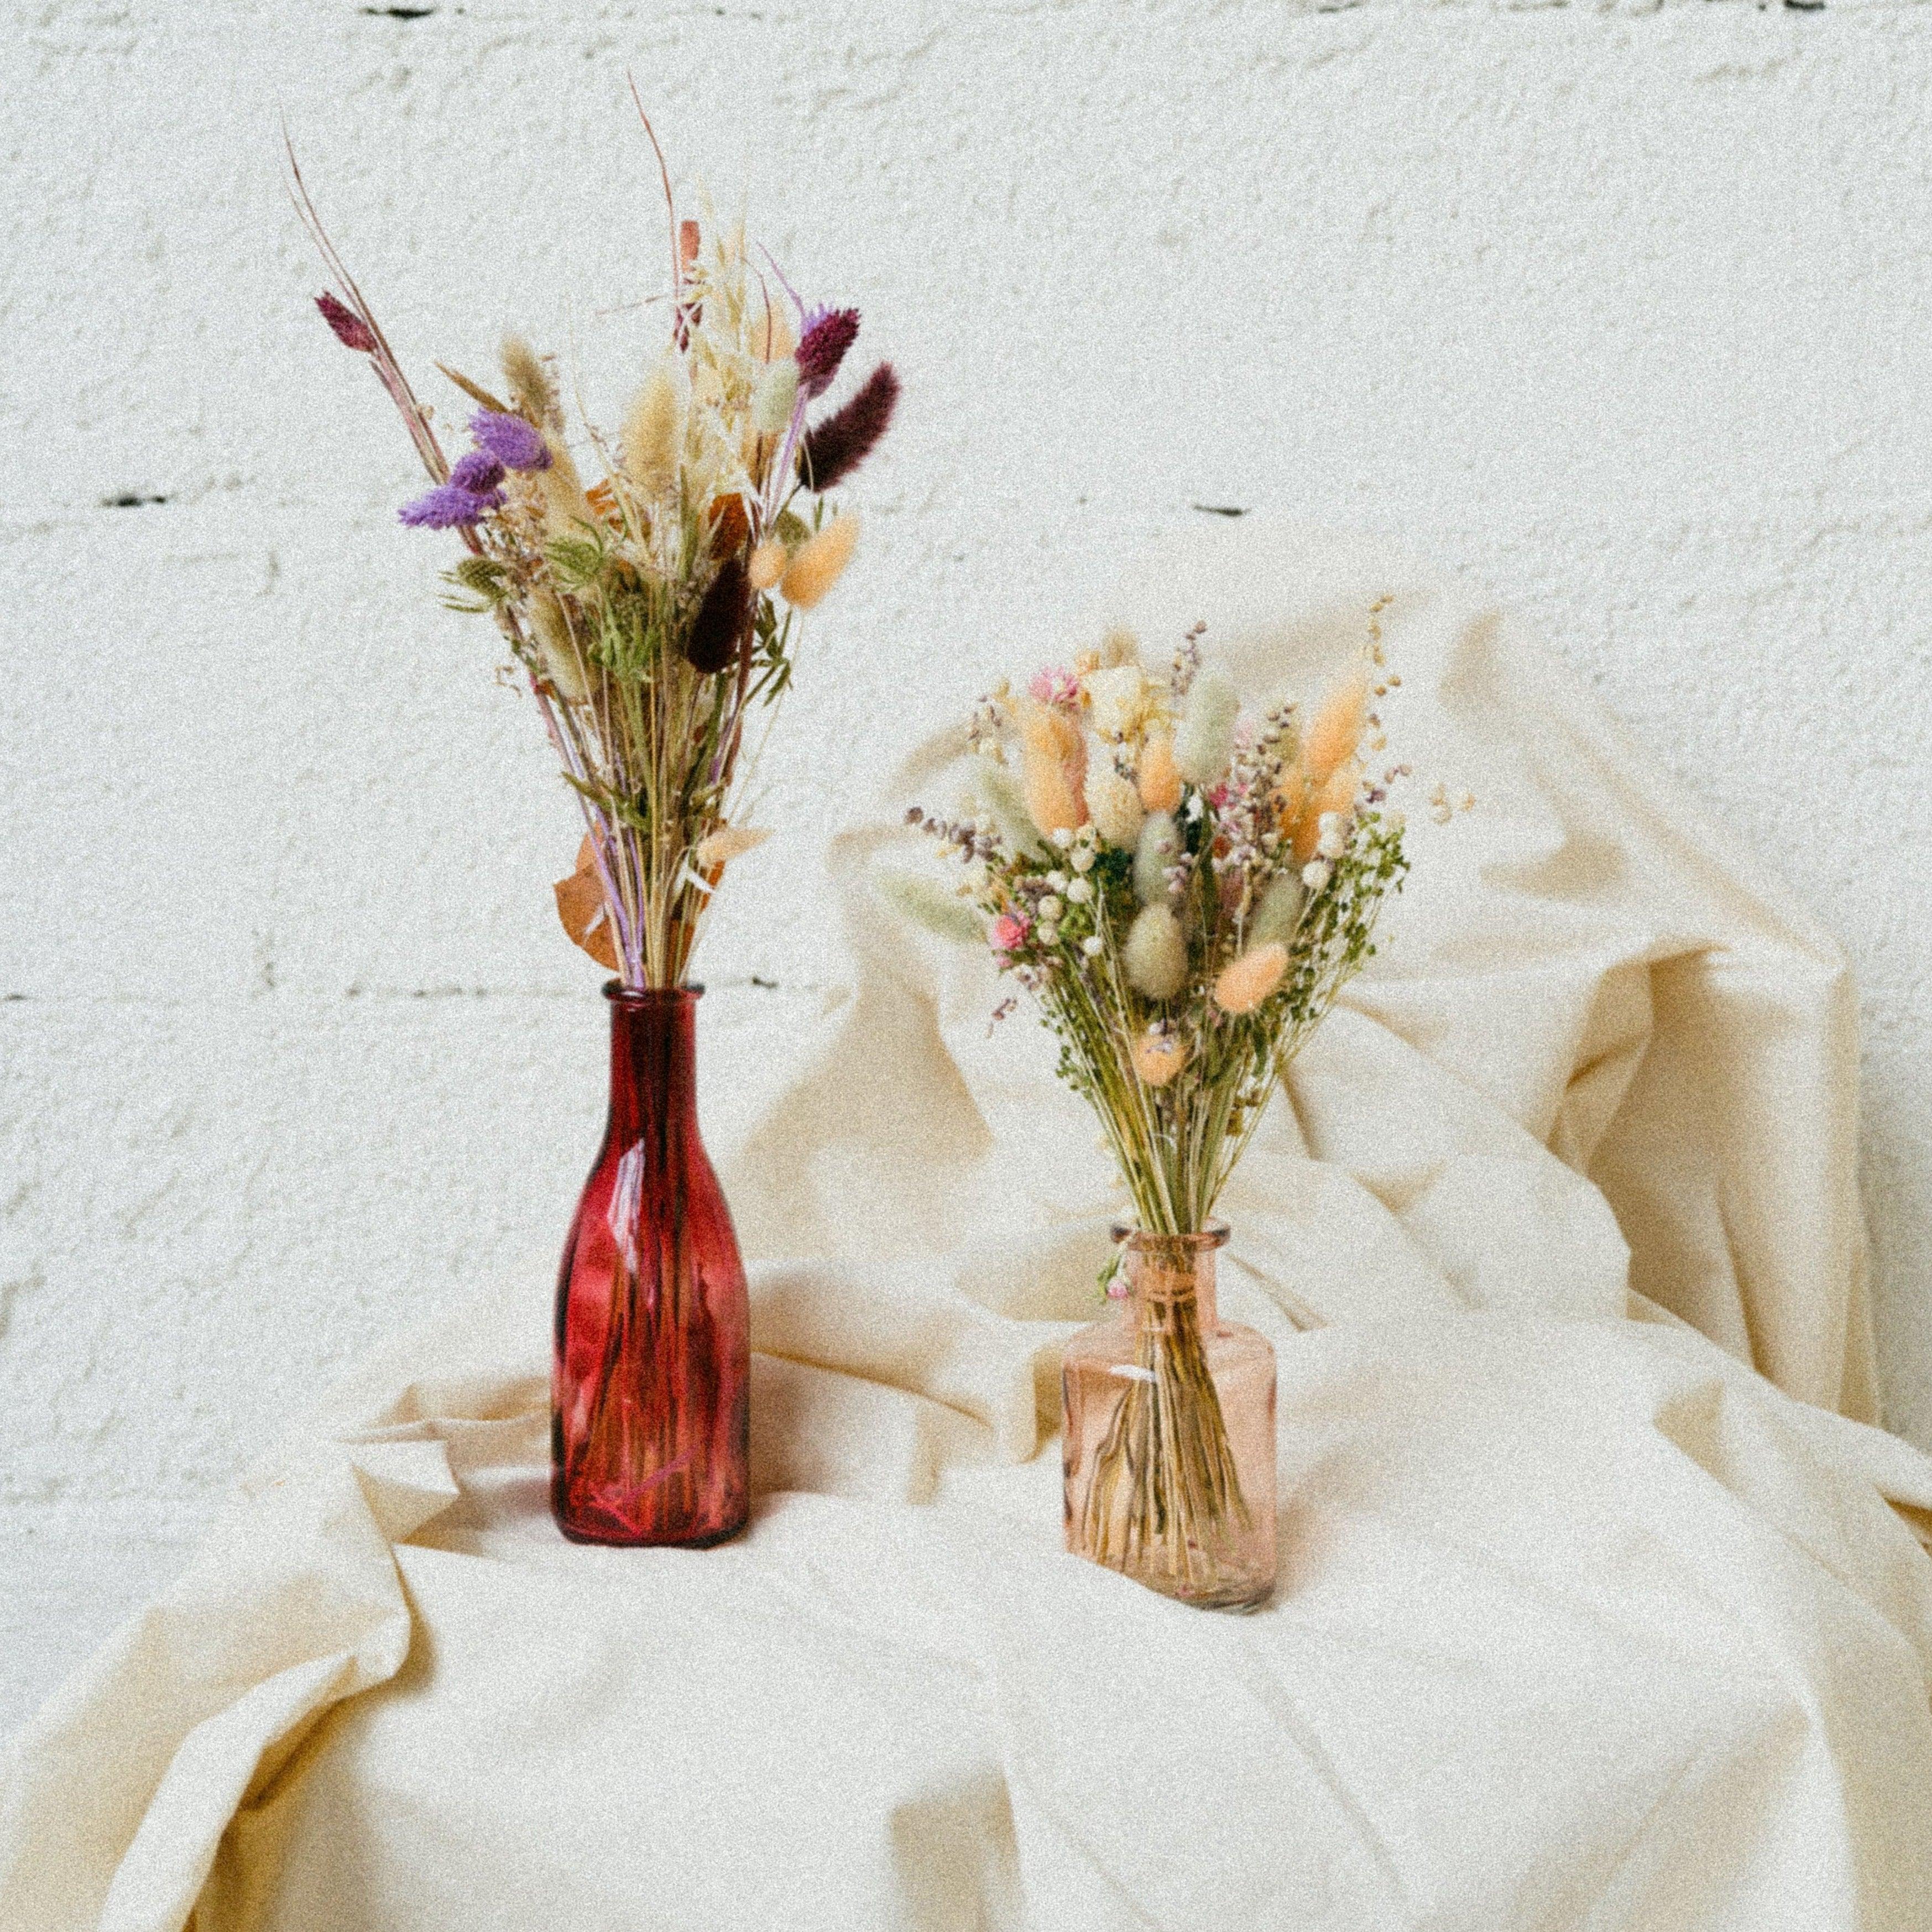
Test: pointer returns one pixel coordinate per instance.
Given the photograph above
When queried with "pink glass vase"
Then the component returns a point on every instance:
(1168, 1441)
(649, 1409)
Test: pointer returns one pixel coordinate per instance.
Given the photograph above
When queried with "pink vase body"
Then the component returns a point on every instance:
(650, 1387)
(1168, 1441)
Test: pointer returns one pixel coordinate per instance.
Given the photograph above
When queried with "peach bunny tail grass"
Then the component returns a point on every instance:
(817, 563)
(1336, 730)
(1116, 807)
(1160, 780)
(1335, 793)
(727, 843)
(1159, 1057)
(767, 564)
(1243, 985)
(1055, 756)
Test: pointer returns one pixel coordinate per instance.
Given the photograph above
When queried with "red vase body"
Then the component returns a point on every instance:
(650, 1392)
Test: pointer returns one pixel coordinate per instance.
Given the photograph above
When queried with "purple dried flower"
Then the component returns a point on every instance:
(479, 472)
(449, 506)
(828, 334)
(351, 330)
(835, 448)
(510, 439)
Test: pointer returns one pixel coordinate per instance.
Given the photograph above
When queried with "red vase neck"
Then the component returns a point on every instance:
(653, 1063)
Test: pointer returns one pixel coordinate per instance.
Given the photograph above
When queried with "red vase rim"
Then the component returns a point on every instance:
(620, 994)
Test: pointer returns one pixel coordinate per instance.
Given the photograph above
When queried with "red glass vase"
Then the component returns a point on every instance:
(650, 1407)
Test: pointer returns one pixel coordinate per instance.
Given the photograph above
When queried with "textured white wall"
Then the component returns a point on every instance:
(1623, 312)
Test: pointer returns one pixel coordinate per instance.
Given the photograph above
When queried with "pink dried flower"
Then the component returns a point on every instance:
(1008, 933)
(351, 330)
(1053, 685)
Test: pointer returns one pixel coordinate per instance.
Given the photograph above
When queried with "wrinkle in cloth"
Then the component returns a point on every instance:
(1601, 1603)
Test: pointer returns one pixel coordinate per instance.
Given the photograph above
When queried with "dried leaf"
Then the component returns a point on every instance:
(580, 905)
(730, 526)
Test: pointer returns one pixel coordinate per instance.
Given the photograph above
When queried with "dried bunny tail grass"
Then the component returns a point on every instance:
(768, 334)
(1052, 802)
(1336, 729)
(767, 564)
(561, 489)
(772, 401)
(1159, 1057)
(563, 663)
(1205, 739)
(1155, 953)
(727, 843)
(530, 384)
(1159, 781)
(1055, 768)
(1119, 646)
(1157, 849)
(929, 906)
(1336, 794)
(833, 448)
(1115, 807)
(1279, 912)
(817, 562)
(1243, 985)
(1000, 793)
(653, 433)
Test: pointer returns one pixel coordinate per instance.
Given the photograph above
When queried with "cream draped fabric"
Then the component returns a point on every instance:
(1598, 1608)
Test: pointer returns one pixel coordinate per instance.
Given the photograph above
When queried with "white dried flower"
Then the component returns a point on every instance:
(1063, 836)
(1118, 700)
(1080, 891)
(1316, 874)
(1093, 946)
(1334, 840)
(1047, 933)
(1051, 907)
(1083, 858)
(1056, 882)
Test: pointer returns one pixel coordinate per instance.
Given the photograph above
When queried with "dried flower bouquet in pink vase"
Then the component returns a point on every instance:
(652, 611)
(1183, 890)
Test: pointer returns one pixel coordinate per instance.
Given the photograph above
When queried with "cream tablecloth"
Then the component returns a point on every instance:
(1583, 1621)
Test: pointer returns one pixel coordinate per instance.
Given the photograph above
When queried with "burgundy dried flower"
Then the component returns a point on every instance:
(719, 626)
(449, 506)
(351, 330)
(510, 439)
(828, 333)
(835, 448)
(478, 472)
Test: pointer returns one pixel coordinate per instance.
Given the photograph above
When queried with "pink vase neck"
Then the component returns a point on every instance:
(1166, 1269)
